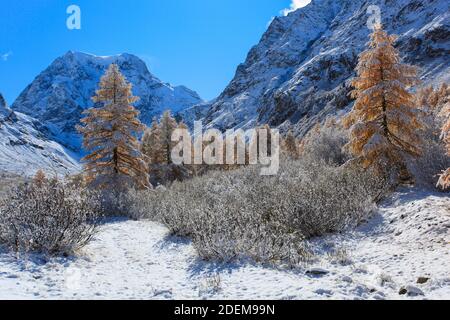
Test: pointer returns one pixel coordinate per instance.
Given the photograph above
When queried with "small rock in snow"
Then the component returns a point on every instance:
(411, 291)
(317, 272)
(423, 280)
(347, 279)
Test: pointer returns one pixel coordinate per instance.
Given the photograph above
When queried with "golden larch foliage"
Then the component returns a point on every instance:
(290, 145)
(444, 181)
(39, 178)
(167, 125)
(157, 146)
(151, 145)
(110, 136)
(157, 142)
(430, 100)
(385, 122)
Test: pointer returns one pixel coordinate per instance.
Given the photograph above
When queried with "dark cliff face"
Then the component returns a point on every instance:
(3, 104)
(6, 114)
(299, 71)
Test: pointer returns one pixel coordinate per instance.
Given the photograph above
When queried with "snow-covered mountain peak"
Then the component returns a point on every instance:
(81, 59)
(299, 70)
(25, 148)
(59, 95)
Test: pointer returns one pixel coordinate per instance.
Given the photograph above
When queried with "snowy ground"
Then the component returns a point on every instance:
(409, 238)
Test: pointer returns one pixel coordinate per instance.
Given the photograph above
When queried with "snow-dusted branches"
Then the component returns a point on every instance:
(385, 123)
(110, 135)
(240, 214)
(49, 216)
(444, 180)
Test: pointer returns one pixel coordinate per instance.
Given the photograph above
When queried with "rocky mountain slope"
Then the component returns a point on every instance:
(298, 72)
(25, 148)
(4, 110)
(59, 95)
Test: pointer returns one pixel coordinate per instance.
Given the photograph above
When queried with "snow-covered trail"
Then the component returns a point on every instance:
(408, 239)
(127, 259)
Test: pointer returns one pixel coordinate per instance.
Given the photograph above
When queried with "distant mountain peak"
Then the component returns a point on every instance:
(83, 57)
(299, 70)
(59, 95)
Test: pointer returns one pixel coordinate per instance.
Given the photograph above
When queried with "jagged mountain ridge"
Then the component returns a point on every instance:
(4, 110)
(25, 148)
(59, 95)
(299, 71)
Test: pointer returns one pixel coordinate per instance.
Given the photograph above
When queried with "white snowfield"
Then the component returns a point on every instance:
(24, 148)
(408, 239)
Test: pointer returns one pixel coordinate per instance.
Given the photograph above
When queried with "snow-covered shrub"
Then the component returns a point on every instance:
(50, 217)
(114, 199)
(140, 204)
(326, 143)
(340, 256)
(210, 285)
(433, 158)
(114, 203)
(240, 214)
(432, 161)
(8, 181)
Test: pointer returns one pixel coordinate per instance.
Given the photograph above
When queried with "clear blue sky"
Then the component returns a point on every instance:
(197, 43)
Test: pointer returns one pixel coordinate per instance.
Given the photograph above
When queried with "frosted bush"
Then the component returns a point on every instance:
(115, 203)
(50, 217)
(139, 204)
(240, 214)
(433, 159)
(326, 143)
(427, 167)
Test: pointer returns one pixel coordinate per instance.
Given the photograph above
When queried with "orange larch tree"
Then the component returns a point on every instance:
(385, 121)
(151, 144)
(290, 145)
(110, 136)
(167, 125)
(444, 181)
